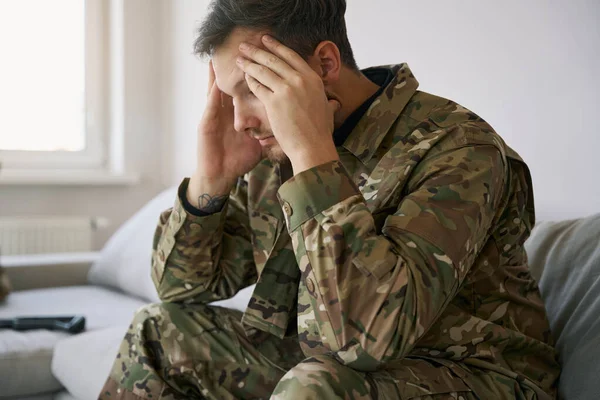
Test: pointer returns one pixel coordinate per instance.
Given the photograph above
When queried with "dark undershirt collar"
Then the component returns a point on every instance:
(382, 78)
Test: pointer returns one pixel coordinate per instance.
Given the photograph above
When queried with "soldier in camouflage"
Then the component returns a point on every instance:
(383, 227)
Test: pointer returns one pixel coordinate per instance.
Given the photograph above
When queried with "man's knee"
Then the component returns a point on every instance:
(171, 317)
(150, 313)
(156, 329)
(321, 377)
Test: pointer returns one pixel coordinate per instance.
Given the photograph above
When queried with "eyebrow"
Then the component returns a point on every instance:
(235, 87)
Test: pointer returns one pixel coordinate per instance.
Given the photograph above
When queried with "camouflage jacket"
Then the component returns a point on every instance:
(411, 246)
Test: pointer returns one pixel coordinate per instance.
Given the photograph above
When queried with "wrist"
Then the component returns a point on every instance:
(313, 156)
(202, 190)
(302, 164)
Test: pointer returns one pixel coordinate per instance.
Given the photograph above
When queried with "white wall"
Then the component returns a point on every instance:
(184, 85)
(530, 68)
(143, 152)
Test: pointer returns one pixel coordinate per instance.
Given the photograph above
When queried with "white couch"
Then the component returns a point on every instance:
(49, 365)
(54, 365)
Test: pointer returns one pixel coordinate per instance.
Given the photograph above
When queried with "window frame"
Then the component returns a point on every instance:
(94, 156)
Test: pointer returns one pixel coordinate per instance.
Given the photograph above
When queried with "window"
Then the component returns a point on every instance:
(52, 77)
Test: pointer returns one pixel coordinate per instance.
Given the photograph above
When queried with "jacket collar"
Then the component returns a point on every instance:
(383, 113)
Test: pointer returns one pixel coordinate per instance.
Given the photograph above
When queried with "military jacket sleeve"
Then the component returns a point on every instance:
(369, 293)
(202, 259)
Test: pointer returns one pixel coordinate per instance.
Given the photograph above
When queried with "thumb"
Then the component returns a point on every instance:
(334, 106)
(214, 102)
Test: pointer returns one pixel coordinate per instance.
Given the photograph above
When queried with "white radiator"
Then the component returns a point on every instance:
(41, 235)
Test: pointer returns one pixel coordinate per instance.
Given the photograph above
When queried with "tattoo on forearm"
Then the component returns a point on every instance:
(211, 204)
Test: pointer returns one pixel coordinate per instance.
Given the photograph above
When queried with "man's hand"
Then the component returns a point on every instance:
(223, 154)
(301, 116)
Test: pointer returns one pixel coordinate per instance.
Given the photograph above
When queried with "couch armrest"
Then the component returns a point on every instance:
(47, 270)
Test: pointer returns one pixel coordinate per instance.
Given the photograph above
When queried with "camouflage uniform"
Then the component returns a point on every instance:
(397, 272)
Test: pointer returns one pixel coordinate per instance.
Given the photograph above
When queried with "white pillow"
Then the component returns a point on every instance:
(83, 362)
(565, 258)
(125, 260)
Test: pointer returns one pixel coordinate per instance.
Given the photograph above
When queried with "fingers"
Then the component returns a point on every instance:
(289, 56)
(258, 89)
(214, 102)
(334, 106)
(211, 77)
(264, 75)
(267, 59)
(226, 101)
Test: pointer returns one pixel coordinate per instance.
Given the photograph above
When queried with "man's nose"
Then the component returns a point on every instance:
(244, 120)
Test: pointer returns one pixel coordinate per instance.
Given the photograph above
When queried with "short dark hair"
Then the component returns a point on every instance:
(299, 24)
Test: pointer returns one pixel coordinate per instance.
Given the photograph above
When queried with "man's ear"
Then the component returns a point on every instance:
(326, 60)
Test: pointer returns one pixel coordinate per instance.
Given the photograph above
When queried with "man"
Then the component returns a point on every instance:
(383, 227)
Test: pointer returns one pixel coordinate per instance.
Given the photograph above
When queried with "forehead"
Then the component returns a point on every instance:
(227, 73)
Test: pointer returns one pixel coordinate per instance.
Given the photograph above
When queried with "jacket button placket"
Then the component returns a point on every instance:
(310, 285)
(287, 209)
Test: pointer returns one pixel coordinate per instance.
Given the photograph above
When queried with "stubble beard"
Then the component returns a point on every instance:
(276, 155)
(273, 152)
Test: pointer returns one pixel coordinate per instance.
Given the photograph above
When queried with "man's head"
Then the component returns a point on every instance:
(315, 29)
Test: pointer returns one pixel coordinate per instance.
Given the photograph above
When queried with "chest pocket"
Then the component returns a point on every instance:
(265, 231)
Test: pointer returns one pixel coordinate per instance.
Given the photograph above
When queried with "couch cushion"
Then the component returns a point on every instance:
(44, 396)
(124, 262)
(64, 395)
(25, 357)
(25, 362)
(92, 352)
(565, 258)
(102, 307)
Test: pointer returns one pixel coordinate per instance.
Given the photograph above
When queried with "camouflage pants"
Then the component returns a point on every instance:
(174, 351)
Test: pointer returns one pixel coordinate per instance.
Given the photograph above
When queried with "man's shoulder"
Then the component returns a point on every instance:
(443, 113)
(453, 125)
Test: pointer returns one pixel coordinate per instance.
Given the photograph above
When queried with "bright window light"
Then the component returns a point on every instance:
(42, 75)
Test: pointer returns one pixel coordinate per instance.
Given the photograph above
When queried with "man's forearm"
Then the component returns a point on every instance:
(208, 196)
(188, 264)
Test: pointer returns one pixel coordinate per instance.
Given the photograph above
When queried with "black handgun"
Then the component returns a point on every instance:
(71, 324)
